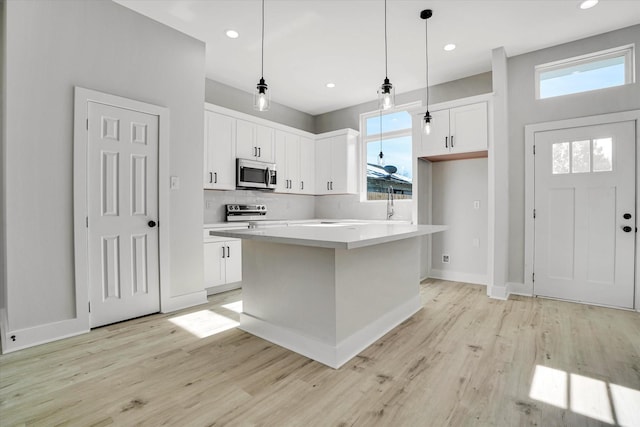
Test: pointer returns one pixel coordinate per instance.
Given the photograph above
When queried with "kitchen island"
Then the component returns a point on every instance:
(328, 290)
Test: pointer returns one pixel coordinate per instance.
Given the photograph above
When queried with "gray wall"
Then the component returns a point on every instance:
(456, 185)
(52, 47)
(524, 109)
(3, 83)
(350, 117)
(226, 96)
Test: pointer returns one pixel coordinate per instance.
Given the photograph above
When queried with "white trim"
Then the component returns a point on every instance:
(515, 288)
(530, 131)
(499, 292)
(332, 355)
(257, 120)
(80, 138)
(460, 102)
(175, 303)
(456, 276)
(41, 334)
(223, 288)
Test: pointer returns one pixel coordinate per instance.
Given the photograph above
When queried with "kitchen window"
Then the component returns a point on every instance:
(599, 70)
(389, 133)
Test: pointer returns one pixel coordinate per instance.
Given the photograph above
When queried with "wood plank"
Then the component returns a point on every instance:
(463, 359)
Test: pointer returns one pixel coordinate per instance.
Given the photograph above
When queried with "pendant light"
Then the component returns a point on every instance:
(262, 96)
(426, 121)
(386, 93)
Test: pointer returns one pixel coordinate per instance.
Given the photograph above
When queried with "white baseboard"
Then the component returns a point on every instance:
(499, 292)
(41, 334)
(183, 301)
(223, 288)
(330, 354)
(454, 276)
(520, 289)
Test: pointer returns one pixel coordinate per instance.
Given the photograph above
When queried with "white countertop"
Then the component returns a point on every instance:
(333, 234)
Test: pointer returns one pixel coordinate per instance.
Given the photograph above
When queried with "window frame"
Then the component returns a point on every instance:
(626, 51)
(363, 140)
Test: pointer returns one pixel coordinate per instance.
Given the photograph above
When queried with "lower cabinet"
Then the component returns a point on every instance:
(222, 264)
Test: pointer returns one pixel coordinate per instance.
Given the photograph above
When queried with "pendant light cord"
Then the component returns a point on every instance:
(426, 47)
(386, 72)
(262, 59)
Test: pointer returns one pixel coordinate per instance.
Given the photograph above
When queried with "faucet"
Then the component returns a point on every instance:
(389, 202)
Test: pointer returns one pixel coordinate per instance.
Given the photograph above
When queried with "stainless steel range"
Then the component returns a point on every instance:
(238, 212)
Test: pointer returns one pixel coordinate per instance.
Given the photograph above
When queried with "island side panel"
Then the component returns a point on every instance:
(377, 288)
(289, 287)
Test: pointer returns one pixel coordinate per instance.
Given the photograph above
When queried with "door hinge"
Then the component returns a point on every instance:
(534, 150)
(534, 214)
(87, 124)
(533, 277)
(87, 221)
(89, 306)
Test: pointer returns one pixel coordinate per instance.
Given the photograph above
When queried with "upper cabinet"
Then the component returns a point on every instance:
(254, 141)
(336, 162)
(307, 166)
(457, 133)
(219, 151)
(295, 161)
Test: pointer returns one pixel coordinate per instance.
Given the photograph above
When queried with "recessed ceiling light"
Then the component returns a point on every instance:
(588, 4)
(449, 47)
(331, 85)
(232, 34)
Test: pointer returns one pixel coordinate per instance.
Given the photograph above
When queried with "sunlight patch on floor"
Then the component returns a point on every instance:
(204, 323)
(234, 306)
(593, 398)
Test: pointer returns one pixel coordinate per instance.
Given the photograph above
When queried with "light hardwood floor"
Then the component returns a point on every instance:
(464, 359)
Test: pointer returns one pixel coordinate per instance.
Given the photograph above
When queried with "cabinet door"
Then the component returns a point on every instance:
(281, 162)
(344, 166)
(323, 165)
(246, 140)
(438, 141)
(307, 166)
(293, 162)
(220, 153)
(265, 143)
(214, 264)
(469, 128)
(234, 261)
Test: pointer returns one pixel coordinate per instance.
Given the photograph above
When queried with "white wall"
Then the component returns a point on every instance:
(456, 184)
(52, 47)
(280, 206)
(3, 83)
(524, 109)
(349, 206)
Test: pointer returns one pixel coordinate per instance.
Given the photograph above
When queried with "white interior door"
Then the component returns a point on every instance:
(122, 174)
(585, 214)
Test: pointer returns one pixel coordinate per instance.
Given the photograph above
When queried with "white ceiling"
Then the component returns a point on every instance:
(309, 43)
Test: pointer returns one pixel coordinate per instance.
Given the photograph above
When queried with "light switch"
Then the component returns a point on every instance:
(476, 242)
(476, 204)
(175, 183)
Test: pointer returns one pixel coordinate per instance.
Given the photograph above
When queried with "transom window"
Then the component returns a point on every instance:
(389, 133)
(600, 70)
(589, 155)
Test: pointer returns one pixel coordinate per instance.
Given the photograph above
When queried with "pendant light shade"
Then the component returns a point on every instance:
(426, 121)
(262, 96)
(386, 93)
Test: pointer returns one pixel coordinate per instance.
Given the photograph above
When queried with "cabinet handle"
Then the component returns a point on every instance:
(259, 152)
(451, 141)
(223, 253)
(228, 252)
(215, 180)
(331, 185)
(302, 185)
(327, 185)
(446, 142)
(255, 151)
(210, 178)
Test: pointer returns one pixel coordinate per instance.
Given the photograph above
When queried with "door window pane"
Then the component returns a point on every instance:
(581, 156)
(561, 158)
(602, 155)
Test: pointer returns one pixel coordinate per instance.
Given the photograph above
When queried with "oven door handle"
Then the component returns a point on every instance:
(267, 177)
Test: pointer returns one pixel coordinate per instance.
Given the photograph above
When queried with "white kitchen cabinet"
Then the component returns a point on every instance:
(457, 133)
(219, 151)
(336, 163)
(287, 162)
(222, 262)
(254, 141)
(307, 166)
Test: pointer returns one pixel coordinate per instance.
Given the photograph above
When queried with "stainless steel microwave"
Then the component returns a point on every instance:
(254, 174)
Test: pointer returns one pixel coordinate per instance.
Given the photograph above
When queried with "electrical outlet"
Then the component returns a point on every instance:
(174, 183)
(445, 259)
(209, 204)
(476, 242)
(476, 204)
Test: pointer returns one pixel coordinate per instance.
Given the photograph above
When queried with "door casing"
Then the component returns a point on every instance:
(529, 240)
(80, 214)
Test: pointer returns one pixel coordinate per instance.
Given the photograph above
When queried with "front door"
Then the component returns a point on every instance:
(585, 219)
(122, 173)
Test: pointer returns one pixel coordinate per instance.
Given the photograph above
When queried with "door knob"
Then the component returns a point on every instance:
(151, 223)
(626, 229)
(626, 216)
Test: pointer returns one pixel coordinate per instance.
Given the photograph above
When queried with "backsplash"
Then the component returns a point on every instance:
(349, 206)
(280, 206)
